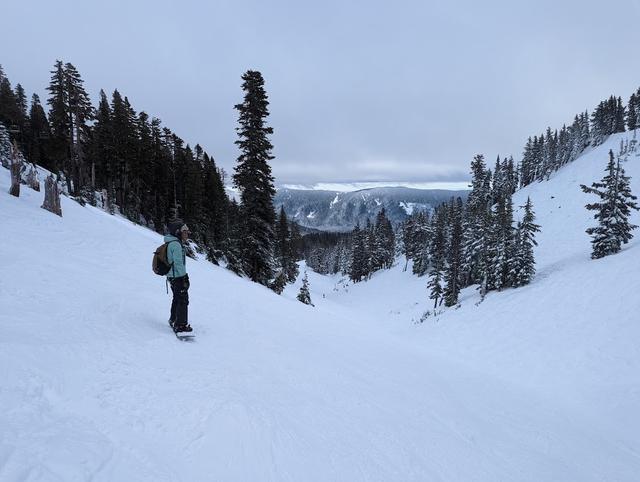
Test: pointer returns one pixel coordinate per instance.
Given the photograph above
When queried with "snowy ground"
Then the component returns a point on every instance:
(536, 384)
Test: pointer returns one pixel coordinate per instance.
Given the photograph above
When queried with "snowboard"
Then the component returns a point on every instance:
(183, 335)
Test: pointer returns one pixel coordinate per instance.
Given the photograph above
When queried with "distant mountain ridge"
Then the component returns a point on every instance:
(341, 211)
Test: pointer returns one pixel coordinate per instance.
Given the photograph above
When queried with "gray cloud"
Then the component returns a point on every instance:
(363, 90)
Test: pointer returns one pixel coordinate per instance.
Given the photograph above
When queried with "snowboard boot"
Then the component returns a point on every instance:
(182, 328)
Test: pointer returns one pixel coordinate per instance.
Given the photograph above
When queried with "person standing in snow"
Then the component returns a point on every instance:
(177, 275)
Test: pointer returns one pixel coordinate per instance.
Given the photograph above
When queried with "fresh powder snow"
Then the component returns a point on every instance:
(539, 383)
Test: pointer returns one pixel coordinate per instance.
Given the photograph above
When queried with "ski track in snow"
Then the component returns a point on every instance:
(534, 384)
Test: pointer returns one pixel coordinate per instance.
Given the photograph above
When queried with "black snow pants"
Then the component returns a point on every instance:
(180, 289)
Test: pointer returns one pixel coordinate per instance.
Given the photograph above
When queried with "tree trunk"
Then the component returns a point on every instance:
(32, 179)
(52, 196)
(16, 168)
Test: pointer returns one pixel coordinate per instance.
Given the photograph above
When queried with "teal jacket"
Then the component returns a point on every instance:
(176, 257)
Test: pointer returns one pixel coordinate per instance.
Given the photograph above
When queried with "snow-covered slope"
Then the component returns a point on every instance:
(534, 384)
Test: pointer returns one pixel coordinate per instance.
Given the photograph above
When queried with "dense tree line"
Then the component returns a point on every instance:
(372, 248)
(326, 252)
(120, 159)
(358, 253)
(545, 153)
(473, 243)
(127, 162)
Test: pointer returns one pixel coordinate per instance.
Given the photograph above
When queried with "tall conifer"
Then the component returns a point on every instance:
(254, 180)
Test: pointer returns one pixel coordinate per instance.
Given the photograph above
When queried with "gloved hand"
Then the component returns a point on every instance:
(185, 282)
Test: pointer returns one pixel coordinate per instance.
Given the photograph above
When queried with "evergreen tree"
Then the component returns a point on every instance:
(633, 112)
(304, 296)
(475, 232)
(369, 245)
(418, 239)
(296, 242)
(585, 131)
(101, 147)
(279, 282)
(283, 250)
(637, 108)
(524, 262)
(217, 206)
(486, 251)
(619, 116)
(233, 244)
(527, 167)
(254, 180)
(38, 135)
(69, 115)
(384, 242)
(22, 117)
(454, 254)
(80, 113)
(438, 256)
(498, 181)
(9, 105)
(358, 268)
(5, 146)
(503, 242)
(613, 210)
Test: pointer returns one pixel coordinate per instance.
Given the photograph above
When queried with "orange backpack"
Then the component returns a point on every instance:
(160, 263)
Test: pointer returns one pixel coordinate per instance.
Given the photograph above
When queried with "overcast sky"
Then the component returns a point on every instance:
(359, 90)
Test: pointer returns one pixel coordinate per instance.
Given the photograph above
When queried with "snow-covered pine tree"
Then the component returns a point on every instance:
(283, 250)
(599, 124)
(282, 235)
(537, 155)
(575, 133)
(619, 116)
(526, 166)
(632, 112)
(524, 266)
(304, 296)
(585, 131)
(357, 268)
(486, 249)
(498, 181)
(254, 180)
(478, 203)
(420, 242)
(454, 253)
(279, 282)
(564, 147)
(369, 248)
(406, 245)
(5, 147)
(438, 256)
(384, 241)
(296, 241)
(503, 242)
(232, 246)
(637, 108)
(613, 210)
(511, 174)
